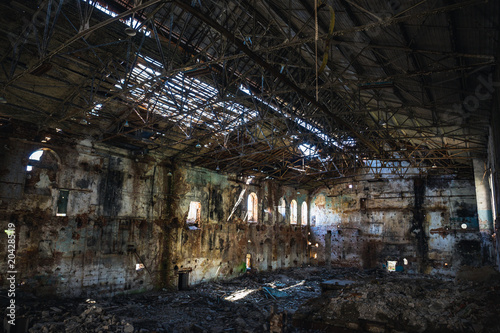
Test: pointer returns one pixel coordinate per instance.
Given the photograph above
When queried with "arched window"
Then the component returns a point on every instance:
(293, 212)
(282, 207)
(194, 213)
(41, 171)
(304, 213)
(34, 159)
(252, 208)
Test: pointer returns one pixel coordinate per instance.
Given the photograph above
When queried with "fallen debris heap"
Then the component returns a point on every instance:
(304, 299)
(404, 303)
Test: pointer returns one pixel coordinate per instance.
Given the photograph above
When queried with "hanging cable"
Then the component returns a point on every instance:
(328, 40)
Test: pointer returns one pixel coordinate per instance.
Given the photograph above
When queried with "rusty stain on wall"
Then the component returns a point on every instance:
(400, 220)
(124, 210)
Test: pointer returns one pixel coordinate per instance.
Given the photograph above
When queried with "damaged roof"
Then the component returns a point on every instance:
(298, 91)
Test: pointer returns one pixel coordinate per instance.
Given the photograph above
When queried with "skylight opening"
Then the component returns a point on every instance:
(182, 90)
(351, 142)
(132, 23)
(185, 100)
(101, 8)
(308, 150)
(95, 110)
(320, 134)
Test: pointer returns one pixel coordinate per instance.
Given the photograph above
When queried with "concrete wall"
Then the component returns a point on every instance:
(111, 222)
(125, 209)
(365, 223)
(219, 243)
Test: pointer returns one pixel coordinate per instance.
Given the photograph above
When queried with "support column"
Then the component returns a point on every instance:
(494, 160)
(494, 164)
(484, 213)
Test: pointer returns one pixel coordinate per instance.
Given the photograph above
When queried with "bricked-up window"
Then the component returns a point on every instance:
(252, 208)
(293, 212)
(194, 213)
(282, 207)
(304, 213)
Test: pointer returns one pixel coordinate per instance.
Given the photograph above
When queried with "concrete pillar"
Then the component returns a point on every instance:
(484, 213)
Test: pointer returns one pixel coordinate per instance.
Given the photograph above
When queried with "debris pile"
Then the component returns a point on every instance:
(281, 301)
(405, 303)
(244, 304)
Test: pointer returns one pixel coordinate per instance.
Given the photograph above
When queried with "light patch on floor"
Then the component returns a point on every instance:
(239, 294)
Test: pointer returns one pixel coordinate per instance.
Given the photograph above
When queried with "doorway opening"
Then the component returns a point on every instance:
(183, 283)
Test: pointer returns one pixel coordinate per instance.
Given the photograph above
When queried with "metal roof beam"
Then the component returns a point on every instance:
(275, 72)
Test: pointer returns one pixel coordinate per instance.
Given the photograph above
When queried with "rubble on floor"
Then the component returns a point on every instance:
(243, 304)
(280, 301)
(406, 303)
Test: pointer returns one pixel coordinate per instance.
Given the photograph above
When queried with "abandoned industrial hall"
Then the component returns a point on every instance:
(249, 166)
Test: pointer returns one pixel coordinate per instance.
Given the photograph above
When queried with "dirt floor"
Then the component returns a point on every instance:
(283, 301)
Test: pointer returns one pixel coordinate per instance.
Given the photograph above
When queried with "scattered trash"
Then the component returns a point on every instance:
(275, 293)
(281, 301)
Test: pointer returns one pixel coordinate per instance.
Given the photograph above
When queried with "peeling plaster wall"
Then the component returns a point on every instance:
(126, 209)
(219, 243)
(366, 223)
(110, 224)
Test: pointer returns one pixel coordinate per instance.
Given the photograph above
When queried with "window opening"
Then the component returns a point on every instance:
(62, 203)
(35, 156)
(282, 207)
(194, 213)
(293, 212)
(362, 204)
(304, 213)
(252, 208)
(41, 172)
(391, 265)
(183, 283)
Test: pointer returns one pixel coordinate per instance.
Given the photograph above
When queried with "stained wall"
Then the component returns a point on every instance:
(218, 245)
(111, 222)
(124, 225)
(429, 221)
